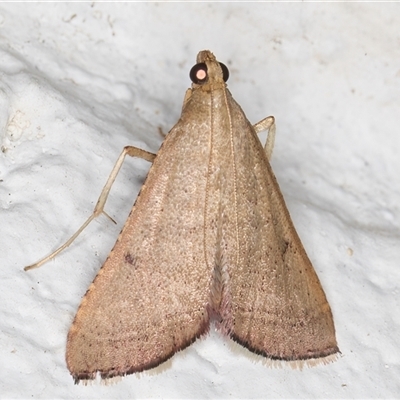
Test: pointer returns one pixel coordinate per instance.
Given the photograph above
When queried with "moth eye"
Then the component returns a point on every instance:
(198, 74)
(225, 71)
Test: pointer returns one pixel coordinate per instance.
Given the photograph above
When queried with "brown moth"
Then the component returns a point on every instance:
(209, 238)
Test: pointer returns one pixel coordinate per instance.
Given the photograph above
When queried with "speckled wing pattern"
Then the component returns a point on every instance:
(208, 236)
(274, 303)
(150, 298)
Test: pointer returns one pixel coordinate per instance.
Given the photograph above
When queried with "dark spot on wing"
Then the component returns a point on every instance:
(129, 259)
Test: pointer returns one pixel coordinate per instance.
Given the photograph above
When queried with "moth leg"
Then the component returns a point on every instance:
(263, 125)
(161, 132)
(99, 208)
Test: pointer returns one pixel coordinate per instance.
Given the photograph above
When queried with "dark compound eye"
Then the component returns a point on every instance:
(225, 71)
(198, 74)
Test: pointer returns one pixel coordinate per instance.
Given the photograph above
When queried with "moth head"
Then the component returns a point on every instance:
(208, 71)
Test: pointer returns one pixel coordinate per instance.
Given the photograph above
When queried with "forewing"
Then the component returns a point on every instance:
(273, 303)
(150, 298)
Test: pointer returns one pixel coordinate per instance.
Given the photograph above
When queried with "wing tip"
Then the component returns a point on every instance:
(114, 375)
(295, 361)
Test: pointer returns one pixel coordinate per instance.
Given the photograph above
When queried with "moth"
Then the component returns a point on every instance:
(209, 238)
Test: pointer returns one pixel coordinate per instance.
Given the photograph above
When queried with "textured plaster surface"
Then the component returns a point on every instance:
(79, 81)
